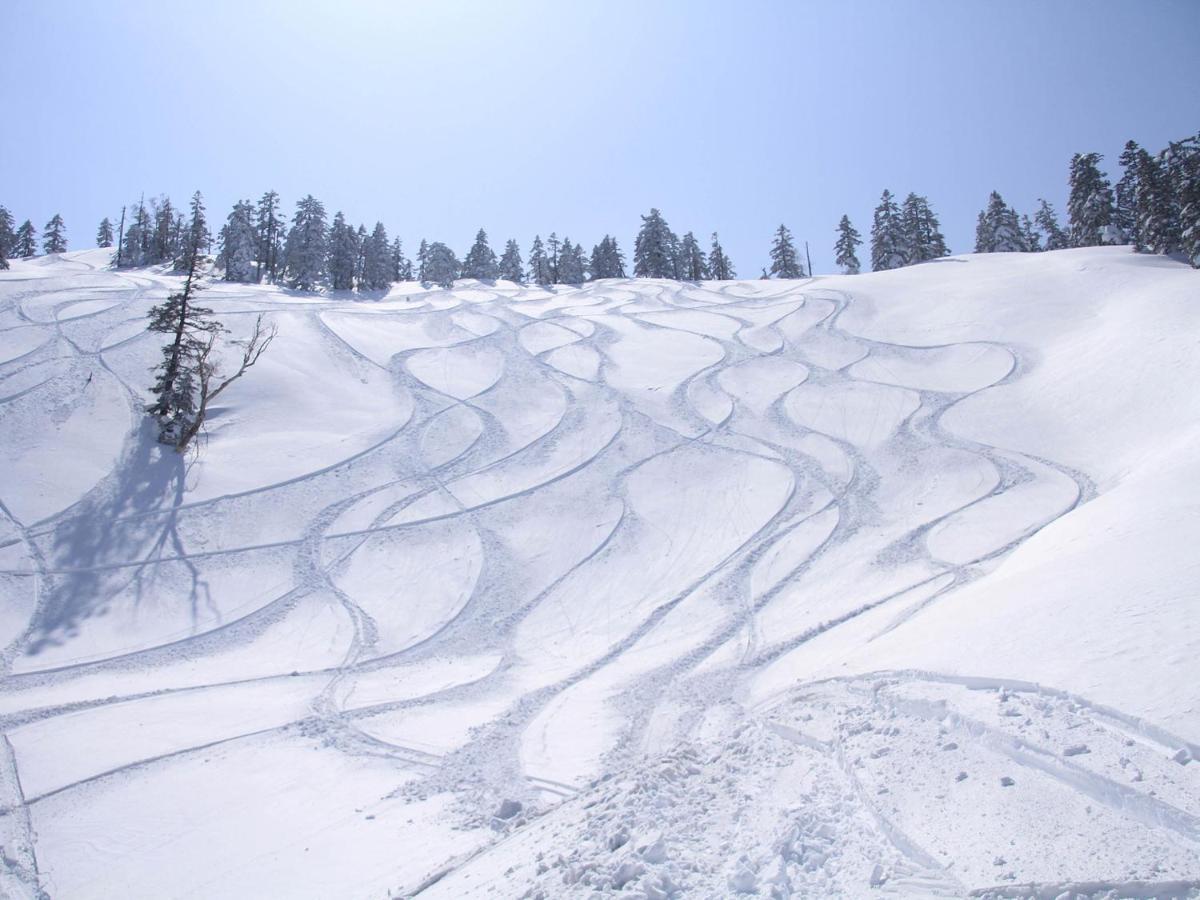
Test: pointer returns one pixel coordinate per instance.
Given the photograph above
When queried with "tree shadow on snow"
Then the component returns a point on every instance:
(109, 546)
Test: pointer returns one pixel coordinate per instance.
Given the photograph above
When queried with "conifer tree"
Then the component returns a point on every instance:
(54, 236)
(164, 243)
(720, 267)
(695, 263)
(887, 235)
(269, 238)
(511, 267)
(104, 234)
(25, 244)
(402, 269)
(423, 262)
(922, 233)
(8, 237)
(185, 382)
(1181, 162)
(360, 255)
(441, 265)
(539, 263)
(998, 229)
(1090, 207)
(343, 254)
(1125, 211)
(1033, 240)
(137, 237)
(307, 246)
(784, 263)
(1156, 213)
(1047, 222)
(656, 249)
(239, 243)
(378, 267)
(553, 252)
(193, 238)
(481, 261)
(607, 260)
(845, 248)
(571, 265)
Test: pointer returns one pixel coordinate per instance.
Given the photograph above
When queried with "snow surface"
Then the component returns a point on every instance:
(867, 586)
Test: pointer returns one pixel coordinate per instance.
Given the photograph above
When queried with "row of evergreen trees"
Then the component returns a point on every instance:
(1155, 208)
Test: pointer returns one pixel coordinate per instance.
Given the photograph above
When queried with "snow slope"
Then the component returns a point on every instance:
(872, 586)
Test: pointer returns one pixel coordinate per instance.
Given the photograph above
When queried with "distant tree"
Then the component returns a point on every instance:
(269, 237)
(1156, 211)
(571, 264)
(441, 265)
(481, 261)
(187, 378)
(138, 237)
(553, 252)
(1033, 240)
(194, 239)
(164, 243)
(25, 242)
(887, 235)
(720, 266)
(402, 268)
(511, 266)
(1090, 207)
(423, 262)
(239, 243)
(1125, 212)
(998, 229)
(360, 256)
(607, 260)
(377, 273)
(8, 238)
(307, 246)
(539, 263)
(655, 250)
(694, 262)
(104, 234)
(784, 262)
(1181, 163)
(845, 248)
(343, 254)
(922, 236)
(54, 237)
(1047, 222)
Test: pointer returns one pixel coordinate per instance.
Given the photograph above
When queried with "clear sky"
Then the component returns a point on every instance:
(576, 116)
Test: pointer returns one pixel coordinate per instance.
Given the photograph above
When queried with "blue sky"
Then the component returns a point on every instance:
(529, 117)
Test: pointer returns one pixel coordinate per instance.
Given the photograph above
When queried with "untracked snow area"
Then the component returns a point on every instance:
(870, 586)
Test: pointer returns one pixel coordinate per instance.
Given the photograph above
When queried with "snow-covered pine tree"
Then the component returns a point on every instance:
(402, 268)
(511, 265)
(887, 235)
(269, 237)
(423, 261)
(1156, 212)
(481, 261)
(998, 229)
(104, 234)
(342, 254)
(784, 263)
(306, 249)
(164, 244)
(184, 385)
(54, 235)
(848, 242)
(539, 263)
(8, 237)
(607, 260)
(695, 263)
(1125, 212)
(377, 261)
(571, 265)
(441, 265)
(553, 252)
(1033, 240)
(239, 243)
(134, 242)
(1182, 165)
(654, 251)
(360, 255)
(921, 231)
(720, 266)
(1047, 222)
(25, 243)
(193, 238)
(1090, 207)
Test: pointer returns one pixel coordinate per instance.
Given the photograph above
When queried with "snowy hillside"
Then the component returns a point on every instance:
(883, 585)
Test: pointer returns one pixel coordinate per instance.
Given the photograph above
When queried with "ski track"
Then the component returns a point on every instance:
(693, 677)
